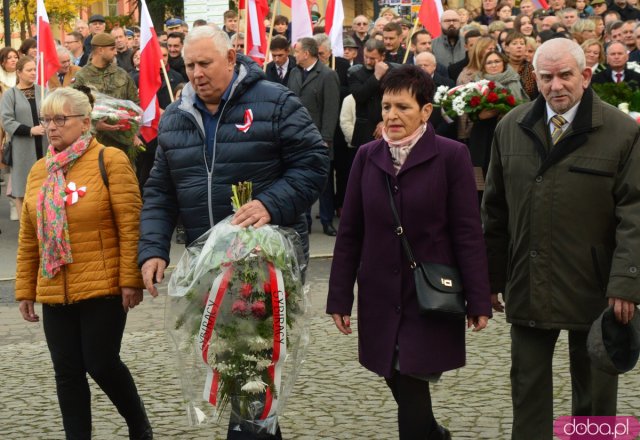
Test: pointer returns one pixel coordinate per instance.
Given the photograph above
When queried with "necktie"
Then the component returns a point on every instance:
(61, 78)
(280, 72)
(619, 77)
(558, 122)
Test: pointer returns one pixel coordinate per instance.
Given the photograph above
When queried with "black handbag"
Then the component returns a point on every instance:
(438, 286)
(7, 154)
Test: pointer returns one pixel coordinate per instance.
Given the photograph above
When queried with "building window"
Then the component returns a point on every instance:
(112, 7)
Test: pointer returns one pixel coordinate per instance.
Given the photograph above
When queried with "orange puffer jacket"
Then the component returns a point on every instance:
(103, 230)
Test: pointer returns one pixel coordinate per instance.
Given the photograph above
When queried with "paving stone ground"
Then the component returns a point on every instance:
(334, 397)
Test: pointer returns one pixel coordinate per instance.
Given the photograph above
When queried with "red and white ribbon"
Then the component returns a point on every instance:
(279, 307)
(73, 194)
(208, 322)
(248, 120)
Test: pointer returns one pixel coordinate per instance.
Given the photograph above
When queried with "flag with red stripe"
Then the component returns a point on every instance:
(256, 40)
(334, 17)
(150, 82)
(429, 14)
(47, 54)
(300, 20)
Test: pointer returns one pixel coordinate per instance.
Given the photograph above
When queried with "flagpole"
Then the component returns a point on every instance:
(246, 26)
(266, 56)
(408, 43)
(333, 62)
(42, 82)
(166, 79)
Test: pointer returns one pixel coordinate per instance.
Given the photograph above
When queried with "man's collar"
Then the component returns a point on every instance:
(310, 68)
(568, 116)
(200, 104)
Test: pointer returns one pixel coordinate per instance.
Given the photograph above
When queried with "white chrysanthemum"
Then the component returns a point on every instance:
(633, 65)
(263, 364)
(255, 386)
(258, 343)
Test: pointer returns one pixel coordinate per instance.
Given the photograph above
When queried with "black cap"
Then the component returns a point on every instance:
(96, 17)
(614, 347)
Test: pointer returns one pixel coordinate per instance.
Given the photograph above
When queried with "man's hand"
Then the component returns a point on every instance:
(623, 309)
(131, 297)
(102, 125)
(496, 304)
(380, 69)
(137, 142)
(152, 273)
(343, 322)
(251, 214)
(27, 311)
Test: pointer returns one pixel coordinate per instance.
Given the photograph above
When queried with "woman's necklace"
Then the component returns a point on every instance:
(29, 92)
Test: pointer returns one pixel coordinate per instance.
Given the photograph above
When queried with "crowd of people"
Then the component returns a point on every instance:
(356, 132)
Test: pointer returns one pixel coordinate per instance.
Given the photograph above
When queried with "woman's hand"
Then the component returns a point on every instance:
(38, 130)
(343, 322)
(131, 297)
(496, 304)
(488, 114)
(27, 311)
(478, 322)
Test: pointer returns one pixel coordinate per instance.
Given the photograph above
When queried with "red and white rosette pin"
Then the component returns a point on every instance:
(248, 120)
(73, 193)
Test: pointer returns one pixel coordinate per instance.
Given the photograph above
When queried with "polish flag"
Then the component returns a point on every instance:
(540, 4)
(256, 40)
(150, 82)
(334, 17)
(47, 55)
(300, 20)
(429, 14)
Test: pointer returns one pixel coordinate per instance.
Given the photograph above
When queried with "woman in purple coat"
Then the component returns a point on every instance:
(434, 192)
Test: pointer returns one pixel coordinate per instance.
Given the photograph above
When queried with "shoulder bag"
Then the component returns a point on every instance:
(7, 146)
(438, 286)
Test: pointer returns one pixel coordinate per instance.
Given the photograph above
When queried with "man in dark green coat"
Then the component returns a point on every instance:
(561, 213)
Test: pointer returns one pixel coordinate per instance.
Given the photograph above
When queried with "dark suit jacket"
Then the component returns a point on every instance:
(320, 94)
(455, 69)
(630, 77)
(365, 89)
(442, 127)
(360, 43)
(272, 71)
(164, 98)
(342, 67)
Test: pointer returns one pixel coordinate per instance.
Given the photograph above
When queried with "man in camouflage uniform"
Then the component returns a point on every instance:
(102, 75)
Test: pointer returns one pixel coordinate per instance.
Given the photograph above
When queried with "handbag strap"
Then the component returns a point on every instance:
(400, 230)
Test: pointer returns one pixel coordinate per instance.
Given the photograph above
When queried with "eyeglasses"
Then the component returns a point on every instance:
(493, 63)
(69, 42)
(451, 20)
(361, 24)
(58, 120)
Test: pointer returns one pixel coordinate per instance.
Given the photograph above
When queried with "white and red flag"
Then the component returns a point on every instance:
(334, 17)
(47, 55)
(300, 20)
(540, 4)
(429, 14)
(256, 39)
(150, 82)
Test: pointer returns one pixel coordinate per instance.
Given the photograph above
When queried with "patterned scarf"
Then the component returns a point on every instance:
(53, 230)
(400, 149)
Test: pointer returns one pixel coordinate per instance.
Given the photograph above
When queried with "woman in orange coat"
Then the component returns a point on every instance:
(77, 256)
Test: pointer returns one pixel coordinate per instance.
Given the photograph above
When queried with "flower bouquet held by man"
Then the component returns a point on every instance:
(233, 315)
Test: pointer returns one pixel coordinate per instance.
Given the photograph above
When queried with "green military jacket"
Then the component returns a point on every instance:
(562, 223)
(112, 81)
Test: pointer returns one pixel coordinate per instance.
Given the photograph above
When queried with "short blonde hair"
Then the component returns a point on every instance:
(66, 99)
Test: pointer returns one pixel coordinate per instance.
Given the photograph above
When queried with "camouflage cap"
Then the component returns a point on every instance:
(103, 40)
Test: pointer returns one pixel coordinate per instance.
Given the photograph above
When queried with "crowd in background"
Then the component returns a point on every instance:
(490, 39)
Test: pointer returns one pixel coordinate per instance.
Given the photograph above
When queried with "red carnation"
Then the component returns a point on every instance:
(475, 101)
(491, 85)
(266, 287)
(239, 308)
(511, 100)
(245, 290)
(258, 309)
(492, 97)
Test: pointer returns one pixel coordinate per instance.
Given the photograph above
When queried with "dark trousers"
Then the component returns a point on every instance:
(326, 202)
(415, 414)
(83, 338)
(594, 393)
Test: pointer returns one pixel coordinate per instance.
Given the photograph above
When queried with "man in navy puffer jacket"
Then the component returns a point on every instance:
(230, 125)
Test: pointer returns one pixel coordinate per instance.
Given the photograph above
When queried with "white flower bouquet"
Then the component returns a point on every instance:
(233, 315)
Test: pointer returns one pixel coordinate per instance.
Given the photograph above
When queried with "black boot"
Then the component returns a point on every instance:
(142, 428)
(440, 433)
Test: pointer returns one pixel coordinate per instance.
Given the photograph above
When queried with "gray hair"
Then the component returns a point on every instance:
(556, 48)
(323, 40)
(61, 50)
(583, 25)
(66, 99)
(428, 55)
(613, 43)
(237, 36)
(219, 38)
(310, 45)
